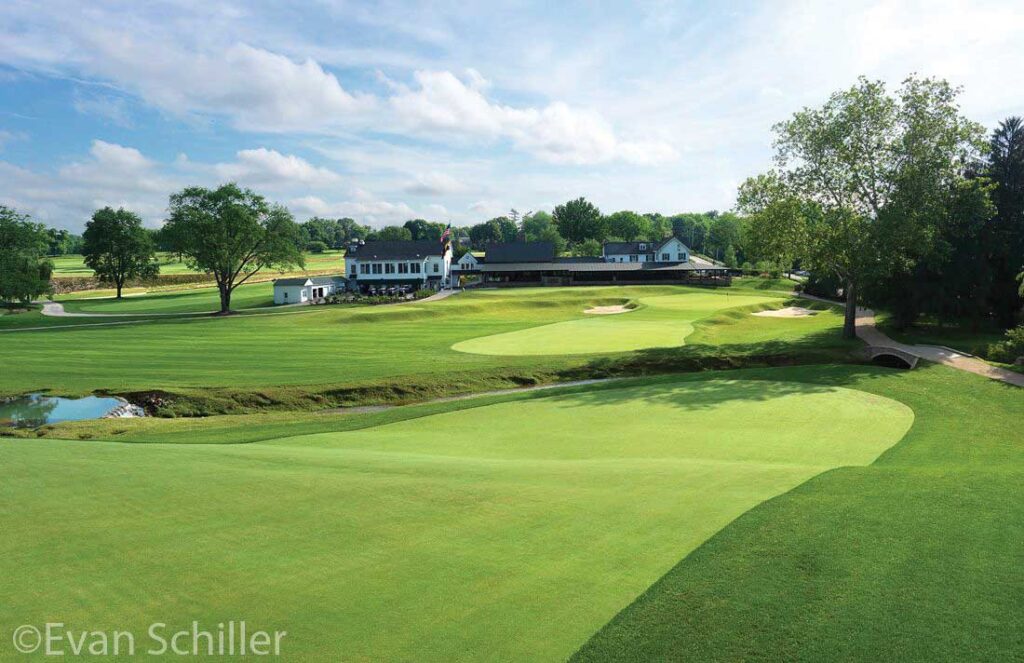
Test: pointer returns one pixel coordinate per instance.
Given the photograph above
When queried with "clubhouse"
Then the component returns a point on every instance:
(419, 264)
(621, 263)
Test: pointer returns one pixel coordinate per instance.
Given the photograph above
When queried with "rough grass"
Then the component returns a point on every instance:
(440, 537)
(74, 265)
(186, 300)
(914, 558)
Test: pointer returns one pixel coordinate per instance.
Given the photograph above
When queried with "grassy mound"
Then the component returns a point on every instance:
(507, 531)
(914, 558)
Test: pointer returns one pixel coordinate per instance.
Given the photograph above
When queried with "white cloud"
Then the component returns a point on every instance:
(556, 133)
(114, 109)
(374, 212)
(434, 184)
(263, 167)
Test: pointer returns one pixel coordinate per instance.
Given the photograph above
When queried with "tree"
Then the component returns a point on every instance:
(1006, 234)
(498, 230)
(579, 220)
(24, 271)
(628, 225)
(232, 233)
(725, 231)
(776, 220)
(540, 227)
(393, 234)
(873, 170)
(117, 248)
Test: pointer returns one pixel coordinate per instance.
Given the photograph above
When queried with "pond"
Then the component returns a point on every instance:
(37, 409)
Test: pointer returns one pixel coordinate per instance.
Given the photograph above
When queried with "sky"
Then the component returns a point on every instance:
(450, 111)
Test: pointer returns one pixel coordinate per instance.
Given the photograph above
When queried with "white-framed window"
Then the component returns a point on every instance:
(389, 268)
(414, 267)
(643, 247)
(437, 268)
(666, 257)
(403, 268)
(682, 257)
(378, 268)
(364, 268)
(634, 258)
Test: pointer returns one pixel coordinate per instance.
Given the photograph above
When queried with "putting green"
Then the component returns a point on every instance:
(661, 322)
(504, 532)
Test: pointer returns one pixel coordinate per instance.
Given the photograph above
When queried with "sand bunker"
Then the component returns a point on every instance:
(608, 310)
(788, 312)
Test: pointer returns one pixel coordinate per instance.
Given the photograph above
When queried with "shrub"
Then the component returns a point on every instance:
(1010, 348)
(423, 292)
(316, 247)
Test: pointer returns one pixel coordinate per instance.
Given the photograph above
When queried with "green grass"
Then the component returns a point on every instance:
(661, 321)
(914, 558)
(328, 355)
(185, 300)
(438, 537)
(964, 338)
(74, 265)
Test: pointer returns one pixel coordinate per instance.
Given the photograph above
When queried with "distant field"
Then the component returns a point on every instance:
(186, 300)
(73, 265)
(434, 538)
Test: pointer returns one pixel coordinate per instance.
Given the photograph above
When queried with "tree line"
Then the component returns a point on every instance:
(896, 200)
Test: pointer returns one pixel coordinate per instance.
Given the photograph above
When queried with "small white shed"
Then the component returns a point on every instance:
(305, 289)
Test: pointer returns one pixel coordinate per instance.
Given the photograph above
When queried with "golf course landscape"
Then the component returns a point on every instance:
(524, 525)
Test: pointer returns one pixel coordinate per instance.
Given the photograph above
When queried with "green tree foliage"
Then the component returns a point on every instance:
(724, 232)
(61, 242)
(232, 233)
(777, 221)
(335, 233)
(392, 234)
(422, 229)
(1006, 234)
(629, 226)
(498, 230)
(692, 229)
(661, 226)
(579, 220)
(117, 248)
(24, 271)
(872, 170)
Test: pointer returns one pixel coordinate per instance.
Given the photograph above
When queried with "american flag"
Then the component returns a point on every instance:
(446, 234)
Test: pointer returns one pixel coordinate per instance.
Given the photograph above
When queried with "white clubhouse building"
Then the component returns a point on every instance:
(421, 264)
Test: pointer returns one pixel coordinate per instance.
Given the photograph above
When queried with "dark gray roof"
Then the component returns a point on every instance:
(396, 249)
(300, 280)
(598, 266)
(520, 252)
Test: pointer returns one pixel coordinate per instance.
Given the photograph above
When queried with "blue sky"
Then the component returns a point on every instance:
(449, 111)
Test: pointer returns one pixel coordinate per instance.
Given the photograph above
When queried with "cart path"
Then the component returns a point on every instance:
(868, 332)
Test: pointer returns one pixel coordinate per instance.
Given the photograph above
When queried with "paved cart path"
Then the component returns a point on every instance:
(868, 332)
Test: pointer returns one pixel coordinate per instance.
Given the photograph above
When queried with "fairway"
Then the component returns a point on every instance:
(506, 531)
(660, 322)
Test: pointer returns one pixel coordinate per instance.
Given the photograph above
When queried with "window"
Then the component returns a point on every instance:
(643, 247)
(437, 268)
(403, 268)
(666, 257)
(378, 268)
(682, 257)
(286, 294)
(415, 267)
(389, 268)
(634, 258)
(353, 269)
(364, 268)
